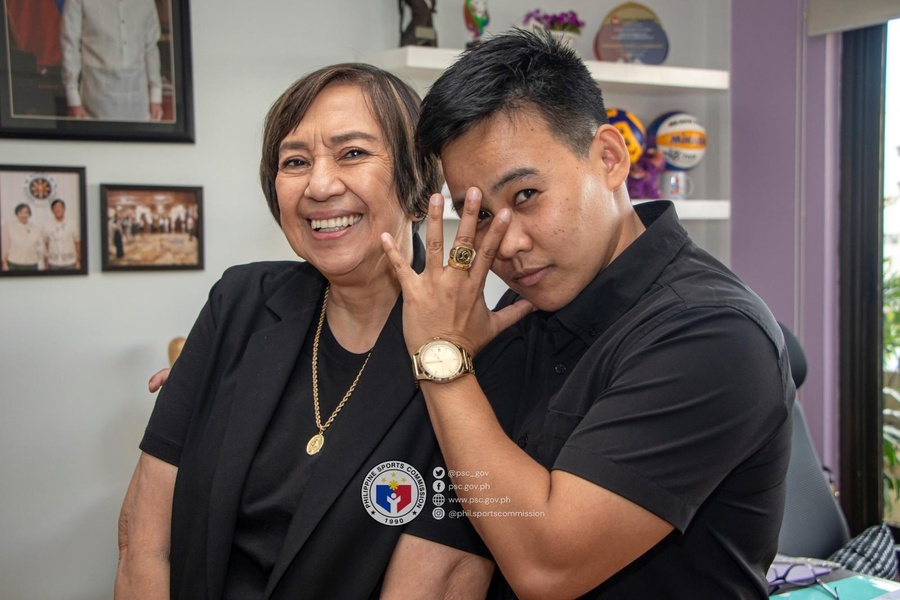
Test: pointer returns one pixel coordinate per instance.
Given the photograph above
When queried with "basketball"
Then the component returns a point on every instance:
(631, 129)
(679, 137)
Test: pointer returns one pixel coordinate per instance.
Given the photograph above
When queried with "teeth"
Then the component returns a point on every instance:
(336, 224)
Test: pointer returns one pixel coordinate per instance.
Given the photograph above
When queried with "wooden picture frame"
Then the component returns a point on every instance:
(43, 221)
(40, 51)
(151, 227)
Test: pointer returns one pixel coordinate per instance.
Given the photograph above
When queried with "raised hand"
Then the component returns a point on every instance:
(447, 302)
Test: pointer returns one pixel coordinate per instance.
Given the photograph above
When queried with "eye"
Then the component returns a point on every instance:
(355, 153)
(484, 218)
(293, 164)
(524, 195)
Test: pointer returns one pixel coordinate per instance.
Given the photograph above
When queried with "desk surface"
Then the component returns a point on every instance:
(849, 585)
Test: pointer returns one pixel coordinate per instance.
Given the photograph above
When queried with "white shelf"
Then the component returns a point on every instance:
(699, 210)
(426, 64)
(415, 62)
(423, 65)
(703, 210)
(648, 78)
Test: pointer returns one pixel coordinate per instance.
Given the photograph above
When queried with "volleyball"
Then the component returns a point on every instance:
(631, 129)
(679, 137)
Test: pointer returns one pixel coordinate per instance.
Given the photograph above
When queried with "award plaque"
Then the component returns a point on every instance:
(631, 33)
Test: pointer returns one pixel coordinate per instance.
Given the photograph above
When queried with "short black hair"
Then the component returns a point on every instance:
(55, 202)
(21, 206)
(514, 71)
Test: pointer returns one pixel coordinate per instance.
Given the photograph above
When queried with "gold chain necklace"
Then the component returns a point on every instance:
(316, 442)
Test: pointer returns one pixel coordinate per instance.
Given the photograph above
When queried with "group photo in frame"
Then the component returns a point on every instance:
(151, 227)
(43, 223)
(96, 70)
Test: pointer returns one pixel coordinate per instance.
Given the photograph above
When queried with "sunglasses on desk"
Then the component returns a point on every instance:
(783, 577)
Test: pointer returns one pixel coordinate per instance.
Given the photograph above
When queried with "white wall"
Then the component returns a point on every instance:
(76, 352)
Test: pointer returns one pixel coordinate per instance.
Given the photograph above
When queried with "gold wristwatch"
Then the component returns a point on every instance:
(442, 361)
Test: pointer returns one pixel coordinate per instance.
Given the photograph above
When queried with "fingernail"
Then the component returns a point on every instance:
(504, 215)
(437, 200)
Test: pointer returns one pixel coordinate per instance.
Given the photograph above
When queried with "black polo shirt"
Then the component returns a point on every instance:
(666, 382)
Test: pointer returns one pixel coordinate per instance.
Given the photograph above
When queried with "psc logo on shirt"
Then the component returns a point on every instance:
(393, 493)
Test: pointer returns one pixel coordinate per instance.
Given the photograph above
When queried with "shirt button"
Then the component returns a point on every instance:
(523, 440)
(593, 331)
(560, 368)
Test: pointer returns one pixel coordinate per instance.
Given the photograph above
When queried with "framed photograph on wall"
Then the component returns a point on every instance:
(43, 223)
(76, 69)
(151, 227)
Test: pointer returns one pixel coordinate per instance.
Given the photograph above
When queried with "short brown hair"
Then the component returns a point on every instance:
(394, 105)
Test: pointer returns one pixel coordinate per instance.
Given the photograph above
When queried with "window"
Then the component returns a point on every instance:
(860, 287)
(891, 277)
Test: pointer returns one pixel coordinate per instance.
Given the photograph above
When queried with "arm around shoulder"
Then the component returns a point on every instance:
(145, 525)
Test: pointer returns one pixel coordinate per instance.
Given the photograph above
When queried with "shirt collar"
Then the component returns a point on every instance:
(621, 284)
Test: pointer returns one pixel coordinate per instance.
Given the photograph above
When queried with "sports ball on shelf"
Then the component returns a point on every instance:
(631, 129)
(680, 138)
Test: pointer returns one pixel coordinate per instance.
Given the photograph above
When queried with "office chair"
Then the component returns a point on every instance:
(814, 524)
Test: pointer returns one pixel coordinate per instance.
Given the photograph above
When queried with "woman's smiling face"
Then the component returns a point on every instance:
(335, 187)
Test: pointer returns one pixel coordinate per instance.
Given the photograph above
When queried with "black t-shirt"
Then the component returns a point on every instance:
(281, 467)
(666, 382)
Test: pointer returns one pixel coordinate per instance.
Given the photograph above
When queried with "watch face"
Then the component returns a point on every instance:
(440, 359)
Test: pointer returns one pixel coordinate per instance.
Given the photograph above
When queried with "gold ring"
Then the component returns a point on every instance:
(462, 257)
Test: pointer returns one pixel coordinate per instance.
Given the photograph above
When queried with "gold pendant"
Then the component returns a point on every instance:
(315, 444)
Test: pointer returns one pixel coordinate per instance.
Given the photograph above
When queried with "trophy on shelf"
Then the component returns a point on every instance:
(476, 16)
(420, 29)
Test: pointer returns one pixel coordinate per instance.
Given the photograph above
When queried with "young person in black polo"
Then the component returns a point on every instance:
(646, 455)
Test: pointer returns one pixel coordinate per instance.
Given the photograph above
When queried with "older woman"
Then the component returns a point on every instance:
(291, 429)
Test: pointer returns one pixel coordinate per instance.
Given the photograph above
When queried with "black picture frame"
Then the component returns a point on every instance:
(151, 227)
(43, 237)
(33, 98)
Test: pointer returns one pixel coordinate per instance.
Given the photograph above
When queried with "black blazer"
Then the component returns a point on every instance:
(225, 386)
